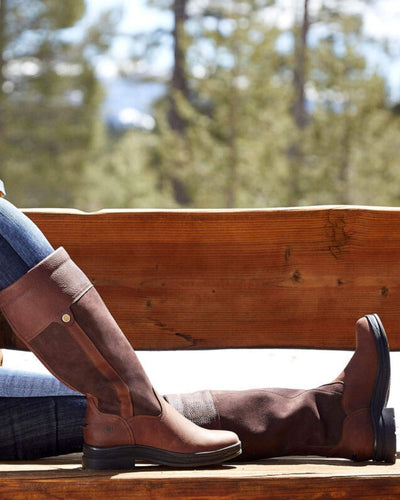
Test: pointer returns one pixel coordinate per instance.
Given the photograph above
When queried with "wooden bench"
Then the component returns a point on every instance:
(222, 279)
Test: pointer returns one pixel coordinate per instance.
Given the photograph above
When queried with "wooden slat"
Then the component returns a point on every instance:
(250, 278)
(273, 479)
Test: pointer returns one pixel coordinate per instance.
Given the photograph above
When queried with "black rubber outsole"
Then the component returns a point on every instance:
(124, 457)
(382, 417)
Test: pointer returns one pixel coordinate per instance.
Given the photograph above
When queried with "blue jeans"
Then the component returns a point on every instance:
(32, 428)
(39, 416)
(22, 244)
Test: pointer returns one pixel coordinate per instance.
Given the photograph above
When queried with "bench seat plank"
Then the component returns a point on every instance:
(286, 478)
(222, 279)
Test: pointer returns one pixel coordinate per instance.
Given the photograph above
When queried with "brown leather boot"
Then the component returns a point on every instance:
(346, 418)
(56, 311)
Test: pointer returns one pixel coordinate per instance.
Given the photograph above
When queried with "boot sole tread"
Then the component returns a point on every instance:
(124, 457)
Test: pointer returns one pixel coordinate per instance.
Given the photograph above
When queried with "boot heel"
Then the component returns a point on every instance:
(116, 457)
(385, 445)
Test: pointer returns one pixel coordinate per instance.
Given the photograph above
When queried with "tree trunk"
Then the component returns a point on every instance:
(300, 73)
(345, 167)
(178, 81)
(300, 115)
(3, 10)
(178, 85)
(3, 42)
(232, 167)
(233, 155)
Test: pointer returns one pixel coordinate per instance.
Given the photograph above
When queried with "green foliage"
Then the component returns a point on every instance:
(242, 144)
(124, 177)
(49, 103)
(231, 142)
(351, 142)
(252, 117)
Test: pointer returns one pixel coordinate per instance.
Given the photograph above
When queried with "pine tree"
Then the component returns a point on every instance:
(49, 101)
(125, 178)
(248, 124)
(350, 142)
(232, 90)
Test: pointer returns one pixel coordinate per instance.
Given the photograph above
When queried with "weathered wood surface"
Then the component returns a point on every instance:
(204, 279)
(281, 479)
(246, 278)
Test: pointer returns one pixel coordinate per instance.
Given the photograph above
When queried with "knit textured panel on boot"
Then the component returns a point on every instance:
(271, 422)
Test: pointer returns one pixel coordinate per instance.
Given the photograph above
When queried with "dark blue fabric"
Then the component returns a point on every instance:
(18, 383)
(44, 426)
(32, 428)
(22, 244)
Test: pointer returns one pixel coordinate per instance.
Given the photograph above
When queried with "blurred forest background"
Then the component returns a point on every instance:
(247, 112)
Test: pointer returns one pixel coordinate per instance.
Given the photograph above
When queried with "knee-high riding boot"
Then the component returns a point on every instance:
(347, 418)
(56, 311)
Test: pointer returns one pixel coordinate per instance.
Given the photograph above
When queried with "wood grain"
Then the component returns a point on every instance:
(246, 278)
(281, 479)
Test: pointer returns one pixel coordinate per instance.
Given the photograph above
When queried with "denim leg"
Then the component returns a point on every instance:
(12, 266)
(22, 244)
(32, 428)
(23, 384)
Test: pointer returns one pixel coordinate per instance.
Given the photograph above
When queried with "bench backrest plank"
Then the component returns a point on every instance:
(241, 278)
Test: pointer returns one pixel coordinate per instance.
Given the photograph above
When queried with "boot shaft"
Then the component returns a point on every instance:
(56, 311)
(271, 422)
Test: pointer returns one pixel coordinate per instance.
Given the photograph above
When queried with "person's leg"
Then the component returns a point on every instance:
(347, 418)
(56, 311)
(22, 244)
(38, 427)
(39, 416)
(255, 414)
(25, 384)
